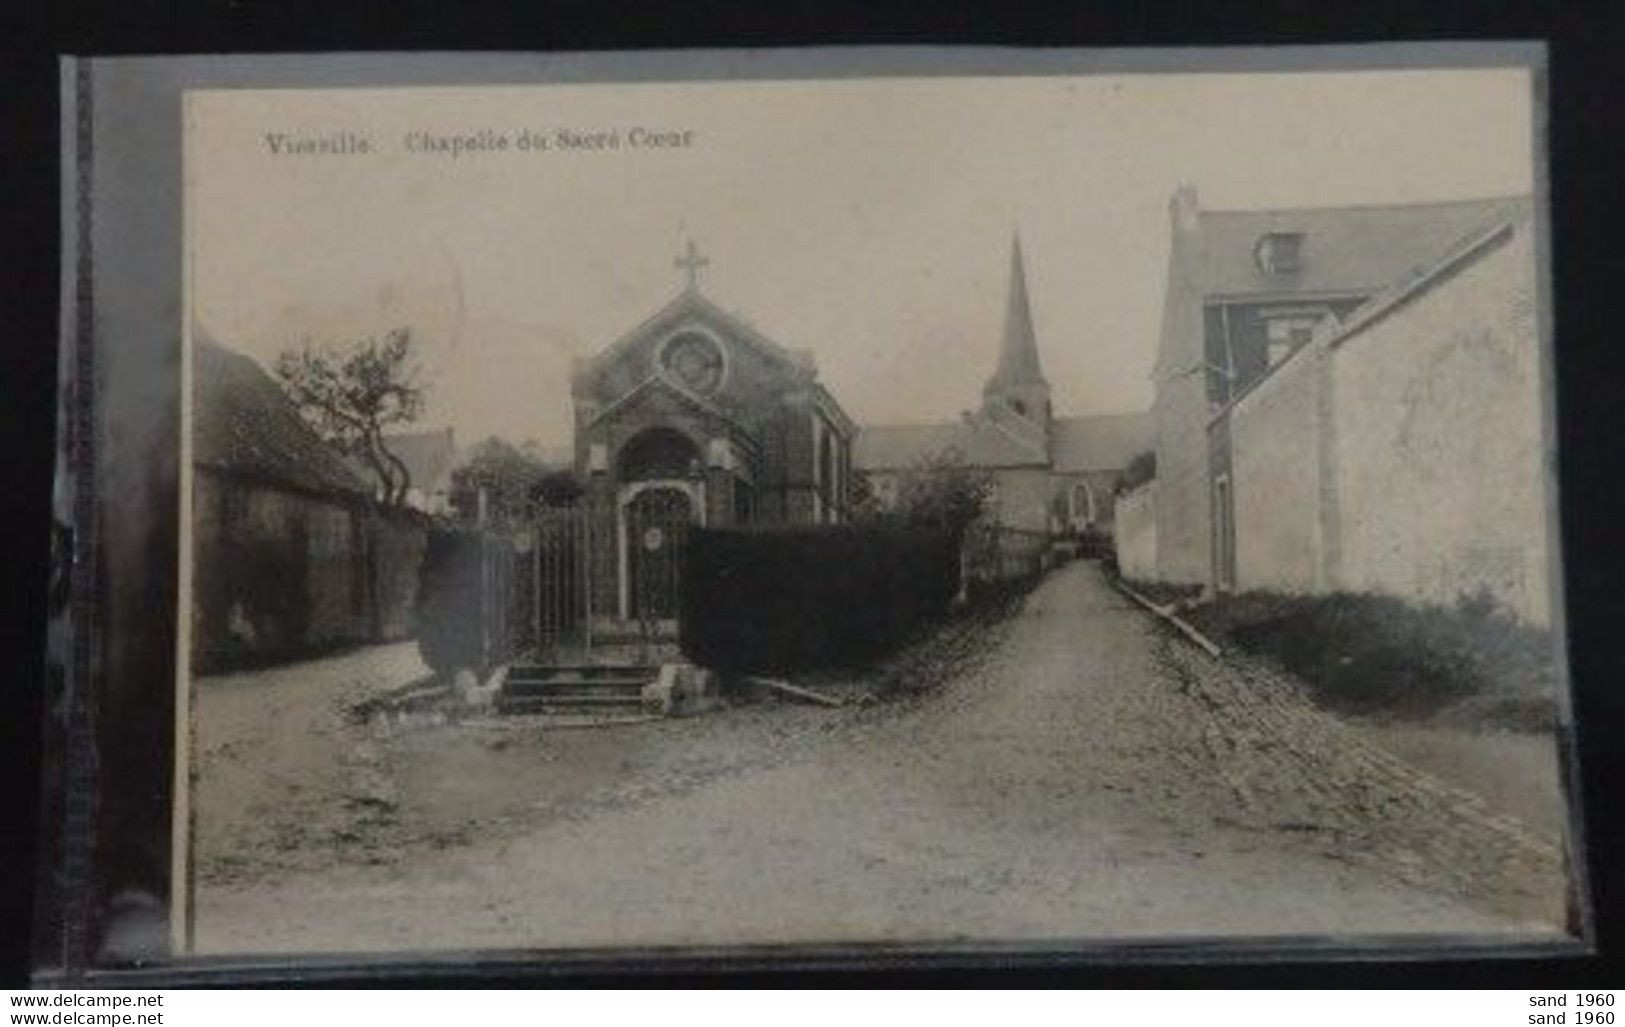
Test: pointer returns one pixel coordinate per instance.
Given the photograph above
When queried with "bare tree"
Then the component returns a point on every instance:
(352, 392)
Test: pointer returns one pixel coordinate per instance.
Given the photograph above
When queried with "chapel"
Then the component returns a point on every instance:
(694, 417)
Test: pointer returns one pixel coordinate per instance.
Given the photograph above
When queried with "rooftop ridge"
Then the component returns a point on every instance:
(1341, 208)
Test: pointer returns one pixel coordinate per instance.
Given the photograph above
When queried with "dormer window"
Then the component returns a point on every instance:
(1279, 253)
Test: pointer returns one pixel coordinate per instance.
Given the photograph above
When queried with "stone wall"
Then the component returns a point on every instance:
(278, 573)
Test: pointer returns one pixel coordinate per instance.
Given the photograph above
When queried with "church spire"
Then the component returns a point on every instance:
(1018, 381)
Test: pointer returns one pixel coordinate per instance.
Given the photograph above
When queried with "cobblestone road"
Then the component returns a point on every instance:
(1088, 777)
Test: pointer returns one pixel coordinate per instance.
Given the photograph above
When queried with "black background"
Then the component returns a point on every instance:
(1587, 64)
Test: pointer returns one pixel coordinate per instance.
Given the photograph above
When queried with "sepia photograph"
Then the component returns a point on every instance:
(946, 511)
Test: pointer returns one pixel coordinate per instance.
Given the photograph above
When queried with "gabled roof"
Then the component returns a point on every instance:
(657, 383)
(1333, 332)
(690, 303)
(1101, 442)
(242, 423)
(975, 440)
(1345, 249)
(429, 456)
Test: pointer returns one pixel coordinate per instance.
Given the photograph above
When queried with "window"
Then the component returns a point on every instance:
(1279, 253)
(1286, 333)
(1083, 503)
(695, 360)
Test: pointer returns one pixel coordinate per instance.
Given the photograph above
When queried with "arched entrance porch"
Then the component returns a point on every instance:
(660, 493)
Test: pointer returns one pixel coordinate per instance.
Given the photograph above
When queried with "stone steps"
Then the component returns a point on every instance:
(540, 688)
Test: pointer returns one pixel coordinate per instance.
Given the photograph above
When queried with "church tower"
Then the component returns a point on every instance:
(1018, 385)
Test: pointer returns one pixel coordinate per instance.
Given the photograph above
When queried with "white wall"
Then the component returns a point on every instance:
(1276, 478)
(1439, 465)
(1136, 533)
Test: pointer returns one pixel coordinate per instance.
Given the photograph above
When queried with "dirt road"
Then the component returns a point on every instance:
(1062, 788)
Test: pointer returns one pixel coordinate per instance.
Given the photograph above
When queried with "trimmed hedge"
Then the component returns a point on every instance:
(787, 599)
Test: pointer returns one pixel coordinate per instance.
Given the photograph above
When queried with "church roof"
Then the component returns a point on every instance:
(1101, 442)
(243, 423)
(1344, 249)
(1018, 356)
(975, 440)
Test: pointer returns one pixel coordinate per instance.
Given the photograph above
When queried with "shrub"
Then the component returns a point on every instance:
(454, 612)
(1379, 655)
(787, 599)
(1141, 468)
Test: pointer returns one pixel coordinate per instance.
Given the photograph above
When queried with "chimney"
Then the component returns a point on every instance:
(1184, 207)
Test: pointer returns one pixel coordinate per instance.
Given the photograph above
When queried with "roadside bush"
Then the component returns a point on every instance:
(1381, 656)
(784, 599)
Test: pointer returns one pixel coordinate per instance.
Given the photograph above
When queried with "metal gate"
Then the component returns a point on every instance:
(561, 579)
(657, 522)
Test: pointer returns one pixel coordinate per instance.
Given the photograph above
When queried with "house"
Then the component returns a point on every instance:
(430, 457)
(1244, 289)
(696, 417)
(1050, 474)
(290, 554)
(1350, 400)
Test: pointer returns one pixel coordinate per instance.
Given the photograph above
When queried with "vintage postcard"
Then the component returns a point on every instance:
(940, 511)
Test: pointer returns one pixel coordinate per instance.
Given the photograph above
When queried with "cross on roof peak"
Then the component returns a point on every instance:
(691, 262)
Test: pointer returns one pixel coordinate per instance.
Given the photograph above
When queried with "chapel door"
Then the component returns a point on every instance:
(657, 522)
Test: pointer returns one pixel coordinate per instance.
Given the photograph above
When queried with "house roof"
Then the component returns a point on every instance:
(429, 456)
(243, 423)
(1344, 249)
(1101, 442)
(1332, 332)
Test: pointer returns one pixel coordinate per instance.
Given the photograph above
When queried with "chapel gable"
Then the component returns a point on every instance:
(699, 349)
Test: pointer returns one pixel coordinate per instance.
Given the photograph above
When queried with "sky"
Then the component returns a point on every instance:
(868, 221)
